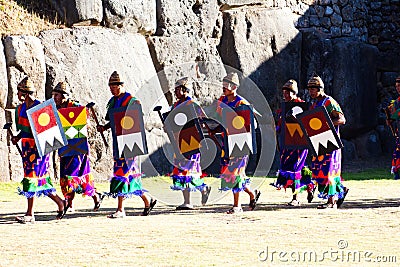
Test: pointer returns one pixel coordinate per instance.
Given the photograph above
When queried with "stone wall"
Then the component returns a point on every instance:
(384, 32)
(352, 44)
(337, 18)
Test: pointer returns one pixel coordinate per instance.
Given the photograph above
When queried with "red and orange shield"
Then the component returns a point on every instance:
(321, 133)
(46, 127)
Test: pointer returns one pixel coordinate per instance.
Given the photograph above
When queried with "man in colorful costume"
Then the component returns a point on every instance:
(233, 175)
(394, 112)
(326, 169)
(187, 173)
(292, 172)
(75, 176)
(126, 181)
(36, 181)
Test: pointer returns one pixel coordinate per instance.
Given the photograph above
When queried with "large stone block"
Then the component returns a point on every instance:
(78, 11)
(354, 84)
(85, 57)
(131, 15)
(24, 57)
(316, 58)
(178, 56)
(193, 17)
(368, 145)
(3, 78)
(5, 151)
(388, 60)
(265, 45)
(235, 3)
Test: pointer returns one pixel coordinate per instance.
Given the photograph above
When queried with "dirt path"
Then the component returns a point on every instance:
(368, 223)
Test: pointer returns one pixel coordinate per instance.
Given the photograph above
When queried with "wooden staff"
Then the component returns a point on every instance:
(212, 135)
(158, 109)
(7, 126)
(390, 121)
(90, 106)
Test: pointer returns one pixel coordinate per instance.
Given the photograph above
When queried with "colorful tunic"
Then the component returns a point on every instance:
(326, 169)
(394, 108)
(126, 180)
(75, 173)
(187, 174)
(292, 169)
(233, 170)
(36, 181)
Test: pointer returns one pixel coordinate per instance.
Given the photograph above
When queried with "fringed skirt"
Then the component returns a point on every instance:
(126, 181)
(36, 181)
(293, 172)
(326, 171)
(75, 175)
(187, 174)
(233, 174)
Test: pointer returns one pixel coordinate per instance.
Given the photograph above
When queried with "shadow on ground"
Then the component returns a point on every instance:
(366, 203)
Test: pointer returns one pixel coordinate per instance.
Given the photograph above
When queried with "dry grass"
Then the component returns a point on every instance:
(27, 17)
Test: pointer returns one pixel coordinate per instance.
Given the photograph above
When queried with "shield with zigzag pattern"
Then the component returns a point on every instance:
(74, 123)
(291, 135)
(239, 129)
(184, 130)
(321, 134)
(46, 127)
(128, 131)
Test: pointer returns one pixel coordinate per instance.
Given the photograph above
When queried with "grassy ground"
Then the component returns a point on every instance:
(367, 228)
(372, 174)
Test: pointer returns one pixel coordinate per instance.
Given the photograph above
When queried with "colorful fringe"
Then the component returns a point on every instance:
(32, 187)
(334, 188)
(187, 174)
(326, 171)
(36, 181)
(81, 185)
(301, 179)
(292, 171)
(127, 180)
(233, 175)
(75, 175)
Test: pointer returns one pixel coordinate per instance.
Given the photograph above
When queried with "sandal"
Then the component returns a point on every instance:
(60, 214)
(117, 214)
(97, 204)
(310, 195)
(185, 207)
(253, 202)
(147, 210)
(66, 206)
(234, 210)
(341, 200)
(327, 205)
(25, 219)
(294, 203)
(204, 196)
